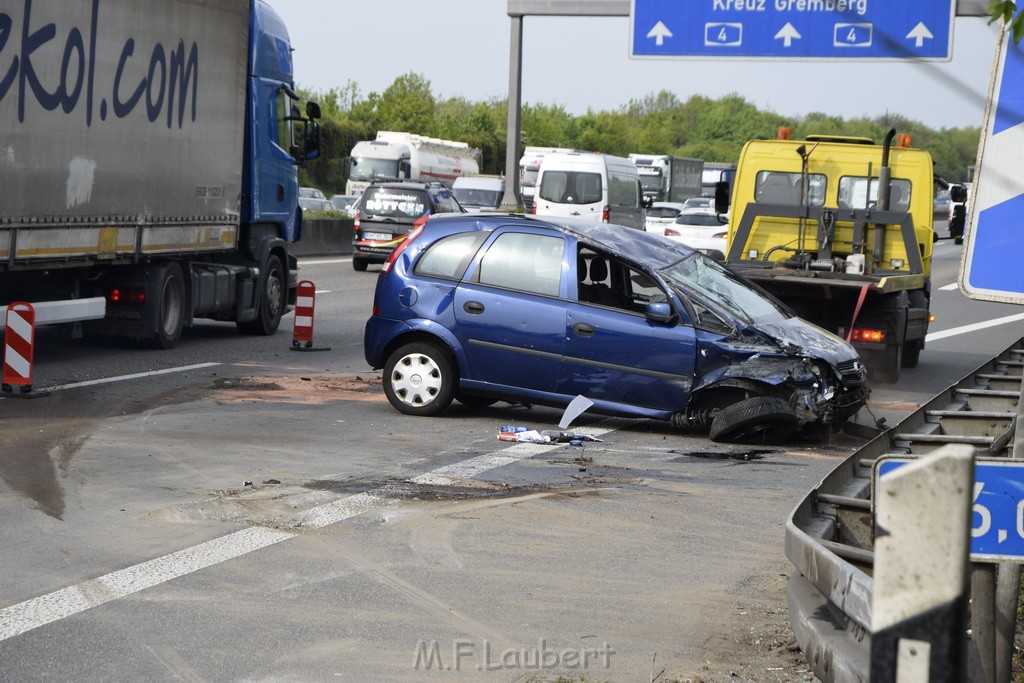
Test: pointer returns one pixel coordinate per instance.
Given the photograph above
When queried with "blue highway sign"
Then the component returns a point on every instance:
(997, 519)
(992, 267)
(881, 30)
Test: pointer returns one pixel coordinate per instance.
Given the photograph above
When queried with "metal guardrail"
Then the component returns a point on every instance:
(829, 535)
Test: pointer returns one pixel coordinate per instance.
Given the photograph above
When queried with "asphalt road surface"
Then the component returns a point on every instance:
(235, 510)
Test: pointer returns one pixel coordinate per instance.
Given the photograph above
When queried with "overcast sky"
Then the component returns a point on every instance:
(462, 48)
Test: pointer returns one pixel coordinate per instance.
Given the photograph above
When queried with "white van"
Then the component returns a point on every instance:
(590, 186)
(479, 192)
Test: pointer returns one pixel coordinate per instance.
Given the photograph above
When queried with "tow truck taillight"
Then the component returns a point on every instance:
(606, 214)
(126, 296)
(862, 334)
(386, 268)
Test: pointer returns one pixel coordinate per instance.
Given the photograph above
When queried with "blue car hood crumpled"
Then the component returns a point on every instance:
(802, 338)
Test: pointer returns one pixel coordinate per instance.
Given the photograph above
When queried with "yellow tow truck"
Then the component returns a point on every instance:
(840, 229)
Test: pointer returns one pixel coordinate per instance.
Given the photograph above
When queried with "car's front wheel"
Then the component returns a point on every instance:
(419, 379)
(758, 420)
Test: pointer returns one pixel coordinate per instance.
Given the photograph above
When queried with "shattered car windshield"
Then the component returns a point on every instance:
(708, 280)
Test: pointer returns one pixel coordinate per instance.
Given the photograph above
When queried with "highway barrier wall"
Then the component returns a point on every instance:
(324, 237)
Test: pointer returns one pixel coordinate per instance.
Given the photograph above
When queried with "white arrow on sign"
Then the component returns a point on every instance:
(788, 33)
(919, 33)
(660, 32)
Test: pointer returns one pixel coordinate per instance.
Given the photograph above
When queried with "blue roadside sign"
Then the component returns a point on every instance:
(793, 29)
(997, 519)
(992, 267)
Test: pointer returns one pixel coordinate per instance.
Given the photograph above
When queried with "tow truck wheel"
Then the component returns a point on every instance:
(759, 420)
(912, 353)
(272, 300)
(170, 307)
(359, 264)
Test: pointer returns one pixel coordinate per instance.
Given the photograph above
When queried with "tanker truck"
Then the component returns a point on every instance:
(149, 165)
(407, 156)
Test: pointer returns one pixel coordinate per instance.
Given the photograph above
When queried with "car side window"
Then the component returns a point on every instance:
(525, 262)
(449, 257)
(607, 281)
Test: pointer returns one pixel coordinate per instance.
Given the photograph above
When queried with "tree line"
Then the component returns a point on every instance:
(701, 127)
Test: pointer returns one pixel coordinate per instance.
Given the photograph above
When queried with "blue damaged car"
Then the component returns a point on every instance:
(482, 308)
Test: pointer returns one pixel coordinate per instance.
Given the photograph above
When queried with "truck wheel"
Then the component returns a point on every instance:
(760, 420)
(419, 380)
(359, 264)
(912, 353)
(170, 307)
(272, 300)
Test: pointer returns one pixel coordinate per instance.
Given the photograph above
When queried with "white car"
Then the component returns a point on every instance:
(662, 214)
(705, 203)
(702, 230)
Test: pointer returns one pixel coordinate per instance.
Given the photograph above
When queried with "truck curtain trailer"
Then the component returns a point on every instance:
(666, 178)
(407, 156)
(150, 164)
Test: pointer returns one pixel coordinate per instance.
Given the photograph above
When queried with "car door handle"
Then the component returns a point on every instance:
(473, 307)
(583, 330)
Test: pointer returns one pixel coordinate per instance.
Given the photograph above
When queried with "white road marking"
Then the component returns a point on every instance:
(66, 602)
(124, 378)
(323, 262)
(949, 287)
(964, 329)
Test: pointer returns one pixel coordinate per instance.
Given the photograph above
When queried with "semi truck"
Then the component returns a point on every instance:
(406, 156)
(667, 178)
(149, 165)
(840, 229)
(716, 172)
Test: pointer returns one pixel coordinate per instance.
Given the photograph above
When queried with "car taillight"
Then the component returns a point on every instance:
(671, 232)
(386, 268)
(355, 224)
(862, 334)
(606, 214)
(533, 209)
(721, 235)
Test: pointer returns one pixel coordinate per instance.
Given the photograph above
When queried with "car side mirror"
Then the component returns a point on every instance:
(660, 312)
(721, 197)
(957, 222)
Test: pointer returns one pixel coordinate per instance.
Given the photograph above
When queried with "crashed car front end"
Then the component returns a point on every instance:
(754, 355)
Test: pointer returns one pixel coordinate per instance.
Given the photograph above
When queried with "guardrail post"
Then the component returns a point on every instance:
(1008, 578)
(922, 544)
(983, 619)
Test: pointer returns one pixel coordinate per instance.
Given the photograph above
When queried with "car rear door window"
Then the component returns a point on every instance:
(391, 202)
(571, 187)
(525, 262)
(449, 257)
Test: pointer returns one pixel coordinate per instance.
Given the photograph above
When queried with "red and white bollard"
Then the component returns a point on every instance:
(305, 304)
(19, 341)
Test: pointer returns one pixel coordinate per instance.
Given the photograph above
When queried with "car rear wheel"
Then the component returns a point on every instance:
(419, 380)
(760, 420)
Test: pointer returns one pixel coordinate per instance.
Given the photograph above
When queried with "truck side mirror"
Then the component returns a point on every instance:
(311, 140)
(956, 223)
(721, 197)
(957, 194)
(313, 110)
